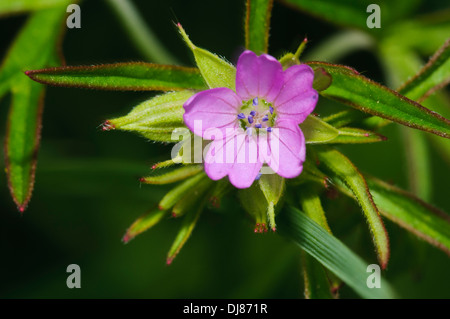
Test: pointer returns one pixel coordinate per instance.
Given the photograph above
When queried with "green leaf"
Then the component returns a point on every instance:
(173, 176)
(351, 88)
(330, 252)
(135, 76)
(341, 167)
(411, 213)
(257, 23)
(18, 6)
(216, 71)
(144, 223)
(317, 131)
(33, 47)
(185, 232)
(315, 278)
(434, 75)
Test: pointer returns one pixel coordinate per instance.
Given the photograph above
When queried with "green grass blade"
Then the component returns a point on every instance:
(353, 89)
(257, 23)
(411, 213)
(330, 252)
(135, 76)
(341, 167)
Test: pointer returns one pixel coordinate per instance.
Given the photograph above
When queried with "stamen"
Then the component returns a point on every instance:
(249, 131)
(250, 119)
(255, 101)
(271, 109)
(269, 129)
(258, 125)
(265, 118)
(253, 113)
(241, 116)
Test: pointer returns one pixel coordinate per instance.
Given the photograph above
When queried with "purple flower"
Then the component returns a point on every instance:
(256, 125)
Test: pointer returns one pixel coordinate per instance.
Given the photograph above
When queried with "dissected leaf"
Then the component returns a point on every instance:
(257, 22)
(330, 252)
(216, 71)
(343, 168)
(133, 76)
(351, 88)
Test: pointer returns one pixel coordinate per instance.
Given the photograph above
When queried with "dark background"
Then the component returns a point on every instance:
(87, 191)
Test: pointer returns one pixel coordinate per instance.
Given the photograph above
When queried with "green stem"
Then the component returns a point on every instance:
(142, 36)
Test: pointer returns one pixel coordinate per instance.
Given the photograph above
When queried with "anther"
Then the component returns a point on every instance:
(241, 116)
(250, 119)
(271, 109)
(258, 126)
(269, 129)
(253, 113)
(265, 118)
(255, 101)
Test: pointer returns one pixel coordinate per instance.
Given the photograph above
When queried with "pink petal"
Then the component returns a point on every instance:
(297, 98)
(236, 157)
(247, 164)
(286, 149)
(258, 76)
(214, 108)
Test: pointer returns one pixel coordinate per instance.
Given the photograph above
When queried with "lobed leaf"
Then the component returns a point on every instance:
(330, 252)
(257, 23)
(133, 76)
(351, 88)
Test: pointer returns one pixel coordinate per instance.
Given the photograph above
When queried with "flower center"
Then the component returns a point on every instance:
(256, 114)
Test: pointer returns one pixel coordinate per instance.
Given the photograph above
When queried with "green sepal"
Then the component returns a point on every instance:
(216, 71)
(173, 176)
(144, 223)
